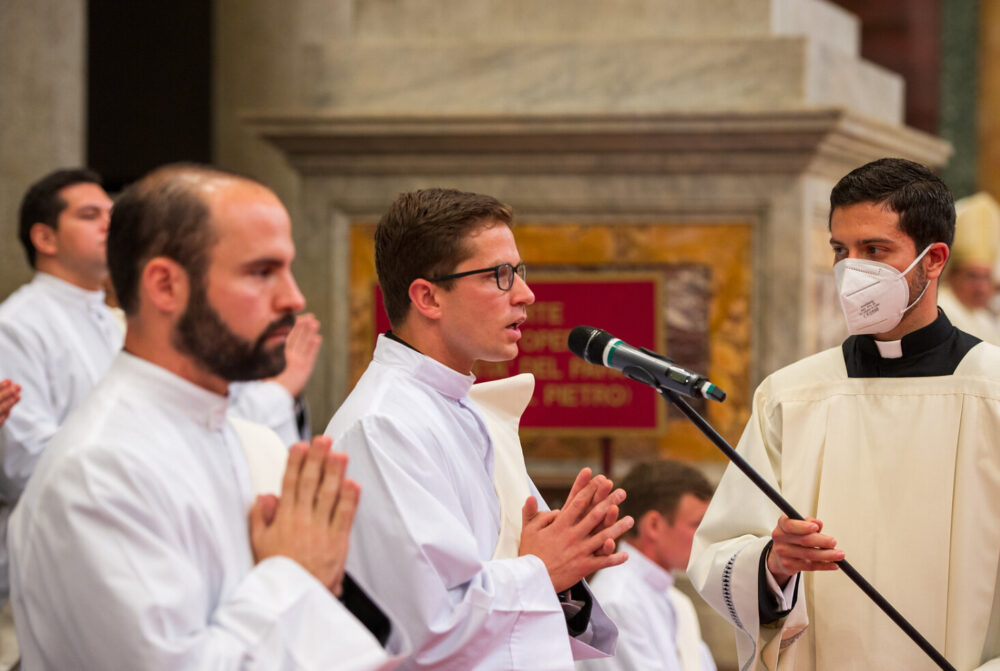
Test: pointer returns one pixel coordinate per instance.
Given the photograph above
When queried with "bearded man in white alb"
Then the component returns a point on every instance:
(130, 547)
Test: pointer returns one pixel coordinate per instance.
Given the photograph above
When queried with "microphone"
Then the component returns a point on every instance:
(640, 364)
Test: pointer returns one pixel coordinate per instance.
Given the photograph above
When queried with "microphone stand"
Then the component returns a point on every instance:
(787, 508)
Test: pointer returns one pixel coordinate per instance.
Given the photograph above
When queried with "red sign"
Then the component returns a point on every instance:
(571, 394)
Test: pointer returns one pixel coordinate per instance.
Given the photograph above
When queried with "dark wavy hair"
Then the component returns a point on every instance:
(923, 202)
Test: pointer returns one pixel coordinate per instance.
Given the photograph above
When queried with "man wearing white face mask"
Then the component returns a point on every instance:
(887, 444)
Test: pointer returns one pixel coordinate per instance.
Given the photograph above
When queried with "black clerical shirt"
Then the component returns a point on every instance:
(935, 349)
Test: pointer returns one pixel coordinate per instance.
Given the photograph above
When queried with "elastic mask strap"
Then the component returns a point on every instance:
(917, 260)
(926, 284)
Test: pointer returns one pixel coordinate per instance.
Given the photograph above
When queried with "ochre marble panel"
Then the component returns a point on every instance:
(706, 293)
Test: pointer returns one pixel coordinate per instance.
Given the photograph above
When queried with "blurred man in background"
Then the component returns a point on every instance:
(658, 629)
(968, 279)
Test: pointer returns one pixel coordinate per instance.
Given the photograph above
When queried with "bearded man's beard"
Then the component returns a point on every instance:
(203, 335)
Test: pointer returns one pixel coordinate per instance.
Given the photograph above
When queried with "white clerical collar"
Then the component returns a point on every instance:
(66, 290)
(443, 379)
(203, 407)
(655, 575)
(890, 349)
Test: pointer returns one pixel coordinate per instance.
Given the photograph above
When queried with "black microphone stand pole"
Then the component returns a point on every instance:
(787, 508)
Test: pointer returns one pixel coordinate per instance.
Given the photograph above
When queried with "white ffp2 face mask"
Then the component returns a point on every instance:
(873, 295)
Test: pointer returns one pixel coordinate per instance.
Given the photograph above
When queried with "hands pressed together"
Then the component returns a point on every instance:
(579, 538)
(311, 521)
(799, 546)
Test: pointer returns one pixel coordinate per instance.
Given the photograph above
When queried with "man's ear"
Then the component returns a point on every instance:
(936, 258)
(650, 524)
(424, 297)
(166, 285)
(44, 239)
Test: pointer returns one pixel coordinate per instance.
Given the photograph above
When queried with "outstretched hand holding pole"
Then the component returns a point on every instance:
(778, 500)
(794, 541)
(797, 546)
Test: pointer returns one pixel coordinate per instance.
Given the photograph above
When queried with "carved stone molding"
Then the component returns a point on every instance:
(822, 142)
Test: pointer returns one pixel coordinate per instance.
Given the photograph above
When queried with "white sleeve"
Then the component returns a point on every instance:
(783, 596)
(640, 644)
(707, 663)
(35, 418)
(727, 549)
(266, 403)
(601, 636)
(411, 548)
(112, 576)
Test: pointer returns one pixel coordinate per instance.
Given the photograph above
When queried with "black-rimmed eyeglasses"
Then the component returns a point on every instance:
(504, 274)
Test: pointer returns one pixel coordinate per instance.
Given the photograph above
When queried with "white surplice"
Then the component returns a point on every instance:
(130, 548)
(905, 474)
(267, 403)
(428, 524)
(658, 628)
(56, 341)
(979, 322)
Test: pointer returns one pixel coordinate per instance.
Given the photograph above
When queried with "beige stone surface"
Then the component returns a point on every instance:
(42, 108)
(642, 76)
(841, 80)
(390, 21)
(819, 21)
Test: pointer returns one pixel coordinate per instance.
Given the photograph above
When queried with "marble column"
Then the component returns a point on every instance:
(42, 108)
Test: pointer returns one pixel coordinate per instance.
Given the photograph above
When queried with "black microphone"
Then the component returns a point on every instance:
(639, 364)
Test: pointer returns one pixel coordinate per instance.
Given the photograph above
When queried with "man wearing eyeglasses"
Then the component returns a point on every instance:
(449, 530)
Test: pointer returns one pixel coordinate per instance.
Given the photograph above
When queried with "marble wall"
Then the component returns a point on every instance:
(42, 108)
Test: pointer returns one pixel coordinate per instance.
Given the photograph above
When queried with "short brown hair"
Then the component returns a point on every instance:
(423, 235)
(163, 214)
(659, 486)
